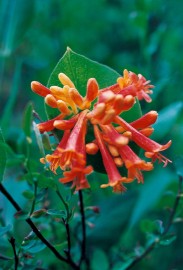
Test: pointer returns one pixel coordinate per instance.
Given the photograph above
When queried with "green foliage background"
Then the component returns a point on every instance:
(144, 36)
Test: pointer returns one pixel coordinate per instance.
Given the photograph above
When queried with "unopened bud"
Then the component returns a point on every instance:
(118, 161)
(65, 80)
(51, 101)
(62, 106)
(76, 97)
(91, 148)
(39, 89)
(38, 213)
(92, 89)
(113, 150)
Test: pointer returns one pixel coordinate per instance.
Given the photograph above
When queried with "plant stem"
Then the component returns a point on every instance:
(83, 245)
(176, 203)
(10, 198)
(166, 230)
(68, 240)
(34, 200)
(12, 242)
(64, 203)
(36, 231)
(66, 222)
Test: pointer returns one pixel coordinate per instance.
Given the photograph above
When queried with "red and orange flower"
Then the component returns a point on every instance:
(101, 110)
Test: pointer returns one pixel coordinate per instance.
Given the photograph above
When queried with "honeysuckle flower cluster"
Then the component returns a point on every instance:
(102, 111)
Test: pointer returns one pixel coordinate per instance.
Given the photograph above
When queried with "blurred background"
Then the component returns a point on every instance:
(144, 36)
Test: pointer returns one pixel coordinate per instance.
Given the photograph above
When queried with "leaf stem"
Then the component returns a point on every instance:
(83, 245)
(66, 222)
(34, 200)
(12, 242)
(68, 252)
(64, 203)
(176, 203)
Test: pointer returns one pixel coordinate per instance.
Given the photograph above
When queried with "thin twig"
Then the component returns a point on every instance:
(36, 231)
(83, 245)
(16, 259)
(64, 203)
(66, 222)
(176, 203)
(34, 200)
(166, 230)
(68, 252)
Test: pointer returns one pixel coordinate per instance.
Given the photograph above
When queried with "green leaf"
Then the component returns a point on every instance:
(27, 121)
(46, 182)
(80, 69)
(149, 226)
(56, 213)
(46, 141)
(32, 244)
(167, 239)
(167, 118)
(3, 156)
(124, 265)
(99, 260)
(4, 230)
(39, 139)
(28, 194)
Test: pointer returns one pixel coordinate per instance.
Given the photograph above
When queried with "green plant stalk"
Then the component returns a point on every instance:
(34, 200)
(16, 258)
(83, 244)
(176, 203)
(64, 203)
(66, 222)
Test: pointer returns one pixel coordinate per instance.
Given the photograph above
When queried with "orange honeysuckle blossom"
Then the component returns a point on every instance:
(151, 147)
(132, 84)
(115, 179)
(101, 111)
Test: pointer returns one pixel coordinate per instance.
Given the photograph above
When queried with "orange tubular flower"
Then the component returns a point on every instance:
(78, 176)
(100, 112)
(139, 82)
(78, 171)
(75, 144)
(54, 159)
(151, 147)
(132, 84)
(115, 179)
(133, 163)
(49, 125)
